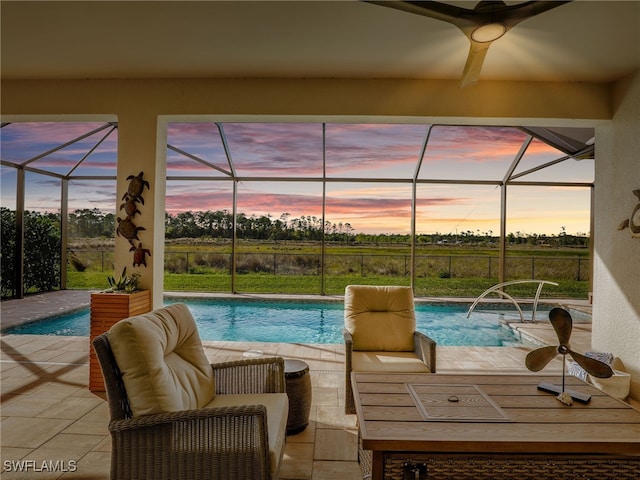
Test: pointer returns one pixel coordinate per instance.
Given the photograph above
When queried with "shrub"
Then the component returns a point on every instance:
(76, 263)
(252, 264)
(41, 252)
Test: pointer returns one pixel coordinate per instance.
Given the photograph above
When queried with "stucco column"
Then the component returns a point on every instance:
(138, 152)
(616, 265)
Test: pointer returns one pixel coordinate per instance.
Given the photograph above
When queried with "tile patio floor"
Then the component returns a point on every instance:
(48, 414)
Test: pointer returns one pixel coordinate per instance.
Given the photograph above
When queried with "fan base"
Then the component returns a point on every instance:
(557, 389)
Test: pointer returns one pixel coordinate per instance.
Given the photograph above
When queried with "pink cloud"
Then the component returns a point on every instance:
(353, 149)
(277, 148)
(178, 164)
(24, 140)
(287, 149)
(473, 144)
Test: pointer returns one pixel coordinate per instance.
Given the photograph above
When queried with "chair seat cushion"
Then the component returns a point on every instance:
(405, 362)
(164, 367)
(277, 411)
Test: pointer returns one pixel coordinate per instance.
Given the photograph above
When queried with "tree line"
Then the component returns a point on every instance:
(219, 224)
(42, 240)
(94, 223)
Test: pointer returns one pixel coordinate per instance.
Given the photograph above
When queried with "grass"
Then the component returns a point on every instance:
(310, 285)
(293, 268)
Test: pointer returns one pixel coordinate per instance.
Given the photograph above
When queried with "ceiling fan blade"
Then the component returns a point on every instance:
(514, 14)
(475, 59)
(537, 359)
(437, 10)
(562, 323)
(592, 366)
(484, 11)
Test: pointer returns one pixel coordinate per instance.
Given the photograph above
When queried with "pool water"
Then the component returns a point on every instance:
(305, 322)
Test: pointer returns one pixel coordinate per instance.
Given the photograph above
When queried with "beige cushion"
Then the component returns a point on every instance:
(405, 362)
(618, 385)
(162, 361)
(277, 411)
(380, 318)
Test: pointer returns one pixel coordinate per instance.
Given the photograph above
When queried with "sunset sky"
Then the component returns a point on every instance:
(280, 152)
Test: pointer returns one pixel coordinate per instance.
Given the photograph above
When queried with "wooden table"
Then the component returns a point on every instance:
(489, 416)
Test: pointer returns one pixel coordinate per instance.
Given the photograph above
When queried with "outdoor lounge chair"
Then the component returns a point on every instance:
(175, 416)
(380, 334)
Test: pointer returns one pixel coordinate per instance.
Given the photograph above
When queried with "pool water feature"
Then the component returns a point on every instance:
(306, 322)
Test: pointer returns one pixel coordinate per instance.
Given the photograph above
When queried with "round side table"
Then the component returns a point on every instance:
(298, 385)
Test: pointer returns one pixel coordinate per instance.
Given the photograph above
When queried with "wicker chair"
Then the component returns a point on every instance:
(228, 440)
(380, 335)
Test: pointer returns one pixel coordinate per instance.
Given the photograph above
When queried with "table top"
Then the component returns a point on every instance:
(295, 368)
(489, 413)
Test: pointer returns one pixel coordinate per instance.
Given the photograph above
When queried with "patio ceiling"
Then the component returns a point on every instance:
(582, 41)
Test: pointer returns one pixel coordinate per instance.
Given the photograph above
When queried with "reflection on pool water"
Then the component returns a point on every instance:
(306, 322)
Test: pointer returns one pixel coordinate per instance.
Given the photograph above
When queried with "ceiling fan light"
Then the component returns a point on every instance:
(489, 32)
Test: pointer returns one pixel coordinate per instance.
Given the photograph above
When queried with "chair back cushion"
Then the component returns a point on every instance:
(380, 318)
(163, 364)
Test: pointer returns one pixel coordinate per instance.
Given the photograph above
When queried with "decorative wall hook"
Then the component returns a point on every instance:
(633, 222)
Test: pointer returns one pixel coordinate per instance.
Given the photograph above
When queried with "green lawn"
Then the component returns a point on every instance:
(294, 268)
(310, 285)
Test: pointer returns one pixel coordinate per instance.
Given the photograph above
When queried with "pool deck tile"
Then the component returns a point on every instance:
(36, 307)
(48, 413)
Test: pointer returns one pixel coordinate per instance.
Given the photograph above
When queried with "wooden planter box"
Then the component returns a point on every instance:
(107, 309)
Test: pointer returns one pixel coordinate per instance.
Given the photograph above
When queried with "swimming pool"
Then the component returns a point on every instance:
(305, 322)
